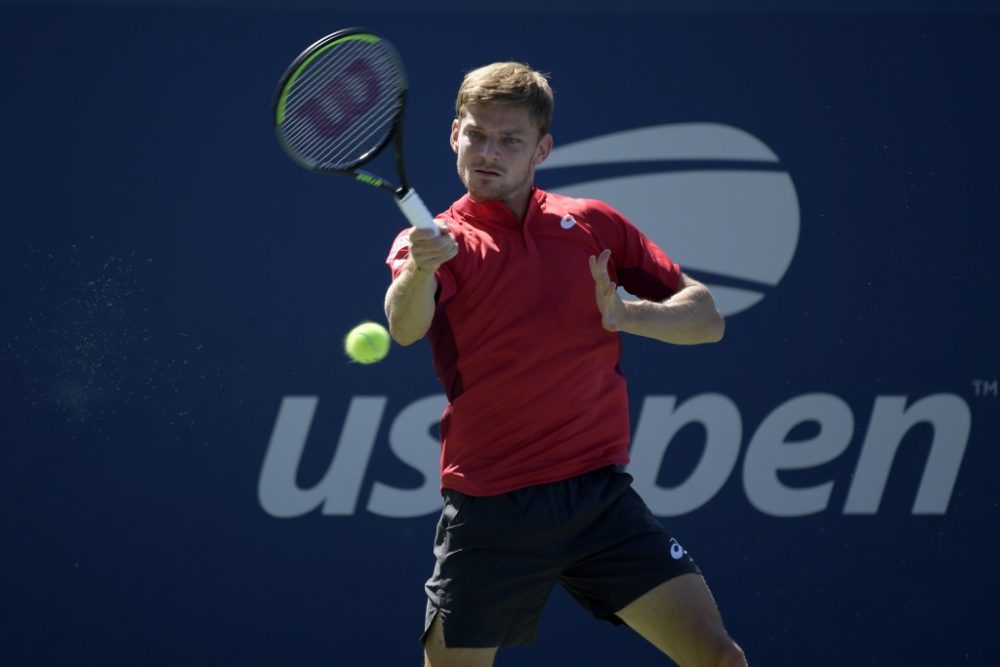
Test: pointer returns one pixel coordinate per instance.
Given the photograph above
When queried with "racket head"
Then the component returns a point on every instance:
(340, 101)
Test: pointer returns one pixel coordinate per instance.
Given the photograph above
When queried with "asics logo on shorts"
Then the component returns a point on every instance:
(676, 550)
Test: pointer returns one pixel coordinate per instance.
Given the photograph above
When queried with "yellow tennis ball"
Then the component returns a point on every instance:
(367, 343)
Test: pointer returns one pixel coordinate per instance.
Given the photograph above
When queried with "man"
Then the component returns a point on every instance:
(517, 296)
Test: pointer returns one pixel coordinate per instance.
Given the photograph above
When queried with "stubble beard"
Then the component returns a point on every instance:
(498, 191)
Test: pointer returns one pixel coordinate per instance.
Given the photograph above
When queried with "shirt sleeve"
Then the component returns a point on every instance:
(398, 253)
(642, 267)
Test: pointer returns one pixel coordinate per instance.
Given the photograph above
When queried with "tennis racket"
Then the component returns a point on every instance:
(337, 107)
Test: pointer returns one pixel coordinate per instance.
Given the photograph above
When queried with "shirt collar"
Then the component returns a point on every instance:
(494, 212)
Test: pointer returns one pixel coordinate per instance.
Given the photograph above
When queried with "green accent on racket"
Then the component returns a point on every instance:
(283, 100)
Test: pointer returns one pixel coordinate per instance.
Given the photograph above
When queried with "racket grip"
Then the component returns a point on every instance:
(416, 211)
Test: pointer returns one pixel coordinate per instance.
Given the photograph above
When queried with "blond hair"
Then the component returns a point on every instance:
(508, 83)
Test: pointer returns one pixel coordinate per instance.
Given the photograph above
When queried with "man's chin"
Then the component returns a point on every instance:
(480, 194)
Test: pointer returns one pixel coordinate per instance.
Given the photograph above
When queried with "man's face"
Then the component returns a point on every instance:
(498, 148)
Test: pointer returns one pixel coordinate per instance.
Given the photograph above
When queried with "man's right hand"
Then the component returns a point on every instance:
(410, 300)
(428, 250)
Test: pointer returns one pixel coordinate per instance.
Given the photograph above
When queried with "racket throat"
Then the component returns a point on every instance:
(371, 179)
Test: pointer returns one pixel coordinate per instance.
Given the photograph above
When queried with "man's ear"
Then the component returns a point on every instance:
(543, 150)
(454, 136)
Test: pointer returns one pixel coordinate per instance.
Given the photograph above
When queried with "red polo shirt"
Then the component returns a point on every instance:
(532, 379)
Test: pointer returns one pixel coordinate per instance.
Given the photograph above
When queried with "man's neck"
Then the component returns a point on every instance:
(517, 204)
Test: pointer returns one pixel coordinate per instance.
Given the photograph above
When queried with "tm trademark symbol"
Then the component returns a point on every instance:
(985, 388)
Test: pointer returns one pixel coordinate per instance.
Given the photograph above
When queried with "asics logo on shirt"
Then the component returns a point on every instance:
(567, 221)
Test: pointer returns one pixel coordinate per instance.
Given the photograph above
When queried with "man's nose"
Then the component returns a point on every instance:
(490, 148)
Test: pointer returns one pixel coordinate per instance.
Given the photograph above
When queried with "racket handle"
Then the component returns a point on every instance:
(416, 211)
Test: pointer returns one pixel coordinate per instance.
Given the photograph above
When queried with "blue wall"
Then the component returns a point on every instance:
(175, 291)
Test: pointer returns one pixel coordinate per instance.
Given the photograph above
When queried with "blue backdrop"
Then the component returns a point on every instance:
(193, 474)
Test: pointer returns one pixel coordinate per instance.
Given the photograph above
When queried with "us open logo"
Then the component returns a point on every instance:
(717, 202)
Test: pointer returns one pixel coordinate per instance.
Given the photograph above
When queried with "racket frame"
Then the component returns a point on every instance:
(405, 196)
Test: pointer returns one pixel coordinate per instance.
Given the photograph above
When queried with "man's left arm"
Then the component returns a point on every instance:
(688, 317)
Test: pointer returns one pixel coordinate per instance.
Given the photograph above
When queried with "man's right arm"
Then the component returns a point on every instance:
(410, 299)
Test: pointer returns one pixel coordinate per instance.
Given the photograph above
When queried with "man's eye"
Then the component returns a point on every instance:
(510, 141)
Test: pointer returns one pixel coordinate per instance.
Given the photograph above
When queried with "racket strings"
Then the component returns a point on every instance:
(324, 73)
(343, 104)
(327, 85)
(311, 132)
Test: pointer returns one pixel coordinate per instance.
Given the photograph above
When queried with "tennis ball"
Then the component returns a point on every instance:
(367, 343)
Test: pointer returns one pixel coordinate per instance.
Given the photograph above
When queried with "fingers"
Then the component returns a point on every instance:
(418, 233)
(602, 277)
(429, 250)
(605, 290)
(599, 265)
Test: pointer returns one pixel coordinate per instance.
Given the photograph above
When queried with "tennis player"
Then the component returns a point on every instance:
(518, 299)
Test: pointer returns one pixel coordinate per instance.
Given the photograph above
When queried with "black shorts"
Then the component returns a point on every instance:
(498, 557)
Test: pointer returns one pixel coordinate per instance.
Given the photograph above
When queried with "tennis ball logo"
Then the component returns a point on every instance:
(367, 343)
(732, 218)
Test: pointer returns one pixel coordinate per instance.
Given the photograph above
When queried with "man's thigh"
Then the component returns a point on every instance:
(436, 654)
(680, 618)
(494, 570)
(622, 554)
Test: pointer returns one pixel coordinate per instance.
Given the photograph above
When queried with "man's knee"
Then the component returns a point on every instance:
(729, 654)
